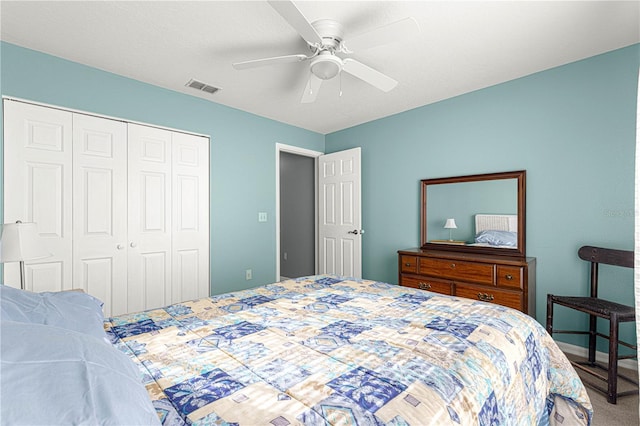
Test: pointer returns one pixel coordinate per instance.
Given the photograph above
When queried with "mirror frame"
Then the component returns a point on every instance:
(520, 175)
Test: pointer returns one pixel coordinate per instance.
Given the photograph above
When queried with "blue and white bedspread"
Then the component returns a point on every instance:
(325, 350)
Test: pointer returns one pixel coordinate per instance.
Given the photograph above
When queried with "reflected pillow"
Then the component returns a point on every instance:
(72, 310)
(54, 376)
(498, 238)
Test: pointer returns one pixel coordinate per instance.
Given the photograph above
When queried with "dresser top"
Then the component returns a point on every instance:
(447, 254)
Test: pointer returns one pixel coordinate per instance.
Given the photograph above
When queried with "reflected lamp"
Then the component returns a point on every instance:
(450, 224)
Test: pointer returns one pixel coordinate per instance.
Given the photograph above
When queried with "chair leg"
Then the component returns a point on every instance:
(592, 338)
(612, 388)
(550, 314)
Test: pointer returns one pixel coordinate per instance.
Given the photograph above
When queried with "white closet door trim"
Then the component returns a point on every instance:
(108, 117)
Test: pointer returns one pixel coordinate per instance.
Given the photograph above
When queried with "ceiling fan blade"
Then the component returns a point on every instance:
(290, 12)
(311, 90)
(269, 61)
(368, 74)
(393, 32)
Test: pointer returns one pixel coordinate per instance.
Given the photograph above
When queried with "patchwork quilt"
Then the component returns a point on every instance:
(326, 350)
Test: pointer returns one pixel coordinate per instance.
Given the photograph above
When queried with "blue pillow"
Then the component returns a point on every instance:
(67, 309)
(498, 238)
(54, 376)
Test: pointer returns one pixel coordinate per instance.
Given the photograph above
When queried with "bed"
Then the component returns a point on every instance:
(496, 230)
(342, 351)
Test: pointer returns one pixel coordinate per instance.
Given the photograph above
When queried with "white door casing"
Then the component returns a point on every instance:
(307, 153)
(339, 213)
(38, 183)
(100, 210)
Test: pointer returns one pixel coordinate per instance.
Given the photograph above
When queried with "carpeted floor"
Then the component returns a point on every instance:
(624, 413)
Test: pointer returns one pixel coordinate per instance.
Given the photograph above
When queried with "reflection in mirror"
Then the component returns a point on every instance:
(463, 201)
(487, 212)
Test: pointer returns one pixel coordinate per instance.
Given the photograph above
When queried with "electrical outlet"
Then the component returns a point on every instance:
(262, 216)
(248, 274)
(285, 255)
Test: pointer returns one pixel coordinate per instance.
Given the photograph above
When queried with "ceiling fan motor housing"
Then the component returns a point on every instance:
(332, 33)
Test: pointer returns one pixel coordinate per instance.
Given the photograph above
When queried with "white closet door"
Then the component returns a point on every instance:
(37, 188)
(100, 210)
(149, 204)
(190, 217)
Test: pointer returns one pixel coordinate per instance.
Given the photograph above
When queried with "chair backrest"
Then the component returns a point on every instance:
(597, 255)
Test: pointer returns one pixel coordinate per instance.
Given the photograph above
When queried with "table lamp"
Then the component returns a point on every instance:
(450, 224)
(20, 242)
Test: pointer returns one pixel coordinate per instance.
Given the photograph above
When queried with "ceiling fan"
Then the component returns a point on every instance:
(325, 40)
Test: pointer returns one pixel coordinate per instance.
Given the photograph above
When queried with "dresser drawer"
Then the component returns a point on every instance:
(511, 299)
(429, 284)
(482, 273)
(409, 264)
(510, 276)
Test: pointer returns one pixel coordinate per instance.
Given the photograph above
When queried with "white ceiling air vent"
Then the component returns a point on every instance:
(202, 86)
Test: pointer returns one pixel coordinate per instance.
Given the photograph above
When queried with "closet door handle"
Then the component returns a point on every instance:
(119, 246)
(132, 245)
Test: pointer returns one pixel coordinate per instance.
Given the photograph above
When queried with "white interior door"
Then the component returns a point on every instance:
(38, 187)
(339, 214)
(149, 203)
(100, 210)
(190, 217)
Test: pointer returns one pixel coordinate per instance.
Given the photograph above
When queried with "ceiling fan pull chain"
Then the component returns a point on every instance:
(340, 84)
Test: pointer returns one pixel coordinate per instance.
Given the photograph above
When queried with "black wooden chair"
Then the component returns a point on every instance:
(597, 307)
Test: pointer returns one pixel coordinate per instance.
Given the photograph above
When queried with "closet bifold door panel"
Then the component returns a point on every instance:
(123, 208)
(168, 217)
(149, 217)
(100, 210)
(190, 217)
(37, 188)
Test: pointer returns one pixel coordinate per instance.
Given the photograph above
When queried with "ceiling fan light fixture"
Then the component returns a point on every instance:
(326, 66)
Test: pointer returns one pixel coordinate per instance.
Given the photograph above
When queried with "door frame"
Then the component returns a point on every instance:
(305, 153)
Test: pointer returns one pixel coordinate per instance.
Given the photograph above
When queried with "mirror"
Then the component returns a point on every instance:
(477, 213)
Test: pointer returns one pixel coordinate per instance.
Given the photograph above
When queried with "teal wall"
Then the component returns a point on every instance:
(242, 153)
(572, 128)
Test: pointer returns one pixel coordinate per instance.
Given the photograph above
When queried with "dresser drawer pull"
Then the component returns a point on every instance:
(424, 286)
(407, 264)
(453, 265)
(509, 277)
(485, 297)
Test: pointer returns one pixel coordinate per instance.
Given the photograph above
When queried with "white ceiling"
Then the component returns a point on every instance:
(463, 46)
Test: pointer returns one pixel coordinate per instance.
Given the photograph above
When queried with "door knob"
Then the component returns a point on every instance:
(356, 232)
(133, 245)
(119, 246)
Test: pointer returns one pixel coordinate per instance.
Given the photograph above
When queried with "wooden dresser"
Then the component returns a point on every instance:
(505, 280)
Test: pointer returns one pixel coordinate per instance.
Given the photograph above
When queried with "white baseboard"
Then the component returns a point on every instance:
(600, 356)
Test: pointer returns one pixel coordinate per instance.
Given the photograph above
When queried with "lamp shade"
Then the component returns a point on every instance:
(21, 242)
(450, 224)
